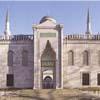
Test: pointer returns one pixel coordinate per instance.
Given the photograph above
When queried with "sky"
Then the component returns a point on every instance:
(73, 14)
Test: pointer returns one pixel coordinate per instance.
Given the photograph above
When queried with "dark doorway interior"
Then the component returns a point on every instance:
(48, 83)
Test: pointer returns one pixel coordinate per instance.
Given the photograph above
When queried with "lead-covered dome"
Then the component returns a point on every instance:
(45, 18)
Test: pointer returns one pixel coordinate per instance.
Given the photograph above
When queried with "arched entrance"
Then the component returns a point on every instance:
(47, 83)
(48, 64)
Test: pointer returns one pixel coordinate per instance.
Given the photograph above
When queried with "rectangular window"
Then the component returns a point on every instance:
(85, 79)
(98, 78)
(10, 80)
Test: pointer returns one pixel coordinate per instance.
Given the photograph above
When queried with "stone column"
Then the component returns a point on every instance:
(36, 61)
(62, 56)
(58, 63)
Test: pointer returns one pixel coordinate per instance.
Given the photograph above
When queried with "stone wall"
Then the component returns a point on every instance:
(72, 75)
(23, 75)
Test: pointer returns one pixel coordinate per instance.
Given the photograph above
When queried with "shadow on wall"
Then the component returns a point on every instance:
(17, 70)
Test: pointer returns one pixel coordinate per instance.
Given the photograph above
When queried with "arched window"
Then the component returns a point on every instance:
(25, 58)
(99, 58)
(85, 58)
(10, 58)
(71, 58)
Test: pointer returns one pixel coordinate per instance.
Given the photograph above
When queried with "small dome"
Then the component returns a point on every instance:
(45, 18)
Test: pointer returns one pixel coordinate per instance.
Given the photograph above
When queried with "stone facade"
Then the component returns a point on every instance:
(73, 77)
(48, 62)
(47, 30)
(23, 75)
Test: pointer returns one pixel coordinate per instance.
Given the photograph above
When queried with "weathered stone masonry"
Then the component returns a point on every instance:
(48, 58)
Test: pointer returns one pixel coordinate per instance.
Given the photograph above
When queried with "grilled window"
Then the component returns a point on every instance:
(10, 80)
(85, 79)
(98, 78)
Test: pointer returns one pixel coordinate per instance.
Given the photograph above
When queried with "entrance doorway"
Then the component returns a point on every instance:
(48, 64)
(48, 83)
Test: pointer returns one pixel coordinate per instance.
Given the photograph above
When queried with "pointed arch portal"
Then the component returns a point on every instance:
(48, 62)
(48, 57)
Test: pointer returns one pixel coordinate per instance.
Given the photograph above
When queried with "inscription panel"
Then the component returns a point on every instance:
(47, 34)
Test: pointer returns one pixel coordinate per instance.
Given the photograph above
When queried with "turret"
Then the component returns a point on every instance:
(88, 30)
(7, 32)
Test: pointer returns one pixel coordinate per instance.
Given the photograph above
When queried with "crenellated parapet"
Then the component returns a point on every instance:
(17, 38)
(82, 37)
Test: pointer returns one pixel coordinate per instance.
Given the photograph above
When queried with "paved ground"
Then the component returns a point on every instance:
(28, 94)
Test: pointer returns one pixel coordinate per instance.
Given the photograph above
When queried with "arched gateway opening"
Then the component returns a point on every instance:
(48, 63)
(48, 83)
